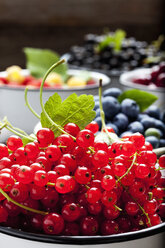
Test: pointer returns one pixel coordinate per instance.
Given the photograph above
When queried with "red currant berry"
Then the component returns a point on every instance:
(3, 151)
(3, 214)
(85, 138)
(69, 161)
(40, 178)
(5, 163)
(72, 129)
(108, 182)
(14, 142)
(100, 159)
(61, 170)
(93, 127)
(131, 208)
(93, 195)
(162, 161)
(151, 206)
(19, 192)
(6, 181)
(45, 136)
(53, 153)
(65, 143)
(31, 150)
(53, 224)
(65, 184)
(82, 175)
(109, 227)
(137, 139)
(70, 212)
(109, 198)
(51, 198)
(25, 174)
(89, 226)
(141, 170)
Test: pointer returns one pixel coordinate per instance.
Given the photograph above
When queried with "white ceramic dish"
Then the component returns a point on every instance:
(149, 238)
(126, 81)
(12, 103)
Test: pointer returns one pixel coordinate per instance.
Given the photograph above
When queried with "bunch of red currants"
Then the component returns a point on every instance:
(75, 185)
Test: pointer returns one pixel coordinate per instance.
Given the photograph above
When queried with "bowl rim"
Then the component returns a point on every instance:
(75, 71)
(126, 80)
(84, 240)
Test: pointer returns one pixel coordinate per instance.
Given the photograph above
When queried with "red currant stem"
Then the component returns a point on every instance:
(15, 128)
(150, 195)
(50, 184)
(91, 149)
(117, 208)
(140, 207)
(28, 105)
(159, 151)
(87, 187)
(126, 173)
(20, 205)
(2, 125)
(159, 169)
(41, 100)
(102, 115)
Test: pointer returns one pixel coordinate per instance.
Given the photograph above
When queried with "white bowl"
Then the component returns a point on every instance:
(12, 103)
(152, 237)
(126, 81)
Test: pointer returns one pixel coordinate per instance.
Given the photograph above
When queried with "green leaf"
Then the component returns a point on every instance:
(115, 39)
(38, 61)
(76, 109)
(142, 98)
(27, 140)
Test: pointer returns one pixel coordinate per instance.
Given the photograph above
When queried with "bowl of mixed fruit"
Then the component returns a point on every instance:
(149, 79)
(70, 185)
(14, 80)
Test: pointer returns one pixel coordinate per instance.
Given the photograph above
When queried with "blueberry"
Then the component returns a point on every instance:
(163, 117)
(99, 122)
(115, 92)
(162, 143)
(121, 121)
(148, 122)
(153, 111)
(96, 98)
(142, 116)
(135, 126)
(153, 132)
(110, 106)
(153, 141)
(115, 128)
(97, 113)
(125, 133)
(130, 108)
(160, 125)
(97, 105)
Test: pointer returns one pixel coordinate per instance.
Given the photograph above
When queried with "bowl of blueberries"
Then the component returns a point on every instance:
(126, 118)
(148, 79)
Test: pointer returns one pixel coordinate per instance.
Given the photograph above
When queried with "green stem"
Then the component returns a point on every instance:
(15, 128)
(133, 161)
(2, 125)
(28, 105)
(102, 115)
(41, 100)
(20, 134)
(22, 206)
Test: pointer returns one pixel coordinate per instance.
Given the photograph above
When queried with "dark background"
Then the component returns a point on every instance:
(58, 24)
